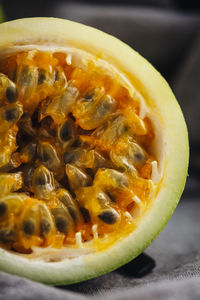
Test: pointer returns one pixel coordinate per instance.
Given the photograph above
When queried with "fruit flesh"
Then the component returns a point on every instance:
(79, 132)
(171, 142)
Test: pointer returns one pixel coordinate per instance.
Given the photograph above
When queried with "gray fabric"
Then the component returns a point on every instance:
(165, 290)
(171, 41)
(13, 287)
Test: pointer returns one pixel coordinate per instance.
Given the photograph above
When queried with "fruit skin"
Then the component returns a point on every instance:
(163, 103)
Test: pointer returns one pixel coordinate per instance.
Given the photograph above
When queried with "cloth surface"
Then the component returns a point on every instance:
(171, 41)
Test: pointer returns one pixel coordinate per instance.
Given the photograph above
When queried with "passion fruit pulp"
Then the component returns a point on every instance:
(94, 151)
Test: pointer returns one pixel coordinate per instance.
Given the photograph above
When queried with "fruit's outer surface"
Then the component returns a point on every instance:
(163, 104)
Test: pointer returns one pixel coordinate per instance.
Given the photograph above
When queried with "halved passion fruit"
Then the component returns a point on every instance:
(93, 151)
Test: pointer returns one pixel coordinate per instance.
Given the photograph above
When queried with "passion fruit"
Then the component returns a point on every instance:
(94, 151)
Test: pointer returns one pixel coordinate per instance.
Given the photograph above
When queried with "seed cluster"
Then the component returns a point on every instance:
(72, 152)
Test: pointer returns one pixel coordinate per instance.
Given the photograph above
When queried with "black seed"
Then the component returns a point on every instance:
(32, 150)
(57, 76)
(28, 175)
(11, 94)
(111, 196)
(90, 172)
(12, 114)
(121, 181)
(125, 128)
(44, 155)
(73, 213)
(66, 131)
(34, 119)
(40, 181)
(48, 156)
(27, 130)
(70, 115)
(42, 77)
(103, 108)
(108, 217)
(45, 227)
(69, 157)
(3, 208)
(138, 156)
(89, 96)
(61, 223)
(85, 213)
(7, 235)
(47, 121)
(28, 227)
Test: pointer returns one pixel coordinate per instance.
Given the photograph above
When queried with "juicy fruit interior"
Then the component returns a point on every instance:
(75, 158)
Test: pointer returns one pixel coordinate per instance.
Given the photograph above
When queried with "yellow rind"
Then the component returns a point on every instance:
(163, 104)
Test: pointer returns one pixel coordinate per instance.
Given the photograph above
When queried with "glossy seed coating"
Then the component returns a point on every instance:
(12, 113)
(111, 179)
(129, 155)
(109, 216)
(45, 227)
(28, 152)
(63, 220)
(60, 79)
(7, 145)
(28, 227)
(60, 106)
(70, 203)
(9, 115)
(77, 178)
(92, 110)
(27, 78)
(98, 204)
(31, 220)
(74, 152)
(42, 183)
(66, 131)
(73, 156)
(8, 90)
(48, 156)
(11, 94)
(25, 124)
(45, 77)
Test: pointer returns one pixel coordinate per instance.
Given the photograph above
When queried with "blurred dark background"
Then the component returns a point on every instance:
(166, 32)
